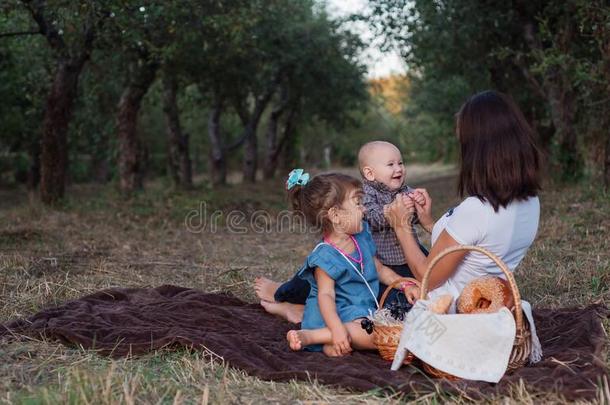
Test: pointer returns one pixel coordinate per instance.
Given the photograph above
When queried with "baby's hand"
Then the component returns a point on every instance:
(399, 212)
(412, 293)
(418, 198)
(407, 201)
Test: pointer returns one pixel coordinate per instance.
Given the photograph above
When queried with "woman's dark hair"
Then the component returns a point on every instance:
(500, 161)
(320, 194)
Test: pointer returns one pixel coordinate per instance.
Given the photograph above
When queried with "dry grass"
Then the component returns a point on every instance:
(96, 240)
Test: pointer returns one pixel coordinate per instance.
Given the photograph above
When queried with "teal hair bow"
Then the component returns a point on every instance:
(297, 176)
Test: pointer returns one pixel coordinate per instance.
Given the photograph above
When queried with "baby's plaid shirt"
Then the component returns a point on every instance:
(376, 195)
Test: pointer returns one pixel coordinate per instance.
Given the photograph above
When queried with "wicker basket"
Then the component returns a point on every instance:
(386, 337)
(522, 346)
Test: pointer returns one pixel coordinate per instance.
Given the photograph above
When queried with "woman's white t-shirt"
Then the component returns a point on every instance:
(508, 233)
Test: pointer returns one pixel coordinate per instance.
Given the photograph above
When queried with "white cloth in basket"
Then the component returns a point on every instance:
(473, 346)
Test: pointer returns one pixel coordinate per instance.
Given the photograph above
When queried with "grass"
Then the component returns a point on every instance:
(97, 240)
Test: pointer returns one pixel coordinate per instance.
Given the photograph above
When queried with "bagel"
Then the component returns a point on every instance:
(485, 295)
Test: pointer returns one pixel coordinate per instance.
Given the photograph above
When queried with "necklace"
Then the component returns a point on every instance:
(344, 253)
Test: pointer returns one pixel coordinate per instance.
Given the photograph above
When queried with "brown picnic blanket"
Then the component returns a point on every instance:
(132, 321)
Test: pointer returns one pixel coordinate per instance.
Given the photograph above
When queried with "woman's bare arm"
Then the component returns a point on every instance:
(416, 260)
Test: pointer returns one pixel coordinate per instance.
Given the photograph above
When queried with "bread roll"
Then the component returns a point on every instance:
(442, 304)
(485, 295)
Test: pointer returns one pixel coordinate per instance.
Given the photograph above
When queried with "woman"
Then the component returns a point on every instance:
(499, 180)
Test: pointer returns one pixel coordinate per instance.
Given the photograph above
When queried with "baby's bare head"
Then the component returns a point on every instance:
(382, 162)
(376, 150)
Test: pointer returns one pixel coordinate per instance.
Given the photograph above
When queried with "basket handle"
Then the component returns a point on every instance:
(509, 277)
(394, 285)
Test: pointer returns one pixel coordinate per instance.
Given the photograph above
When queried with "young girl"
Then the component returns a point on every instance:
(342, 269)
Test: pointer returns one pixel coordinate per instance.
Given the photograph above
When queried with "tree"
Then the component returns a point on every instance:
(593, 19)
(537, 51)
(323, 81)
(93, 129)
(25, 76)
(266, 56)
(179, 160)
(279, 62)
(145, 33)
(217, 58)
(139, 78)
(70, 30)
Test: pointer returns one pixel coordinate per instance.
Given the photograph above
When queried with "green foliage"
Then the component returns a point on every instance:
(24, 82)
(429, 122)
(91, 136)
(549, 56)
(232, 51)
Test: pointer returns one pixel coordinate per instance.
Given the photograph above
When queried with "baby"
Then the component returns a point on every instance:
(383, 170)
(383, 175)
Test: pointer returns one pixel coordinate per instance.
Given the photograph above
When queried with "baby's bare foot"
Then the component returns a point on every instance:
(294, 340)
(290, 312)
(265, 289)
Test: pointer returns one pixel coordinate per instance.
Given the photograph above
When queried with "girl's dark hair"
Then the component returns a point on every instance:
(319, 195)
(500, 161)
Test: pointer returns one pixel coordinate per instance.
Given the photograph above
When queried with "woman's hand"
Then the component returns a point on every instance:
(423, 207)
(341, 342)
(399, 212)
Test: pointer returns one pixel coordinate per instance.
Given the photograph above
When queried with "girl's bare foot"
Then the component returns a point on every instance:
(330, 351)
(290, 312)
(294, 340)
(265, 289)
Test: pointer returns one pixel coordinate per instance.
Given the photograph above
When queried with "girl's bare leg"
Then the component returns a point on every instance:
(265, 289)
(298, 339)
(360, 340)
(285, 310)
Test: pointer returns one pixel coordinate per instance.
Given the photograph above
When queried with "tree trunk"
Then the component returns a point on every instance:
(34, 169)
(250, 122)
(250, 154)
(563, 114)
(100, 167)
(271, 147)
(607, 151)
(607, 163)
(179, 162)
(273, 155)
(60, 101)
(218, 164)
(186, 167)
(130, 165)
(287, 158)
(558, 90)
(272, 144)
(54, 144)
